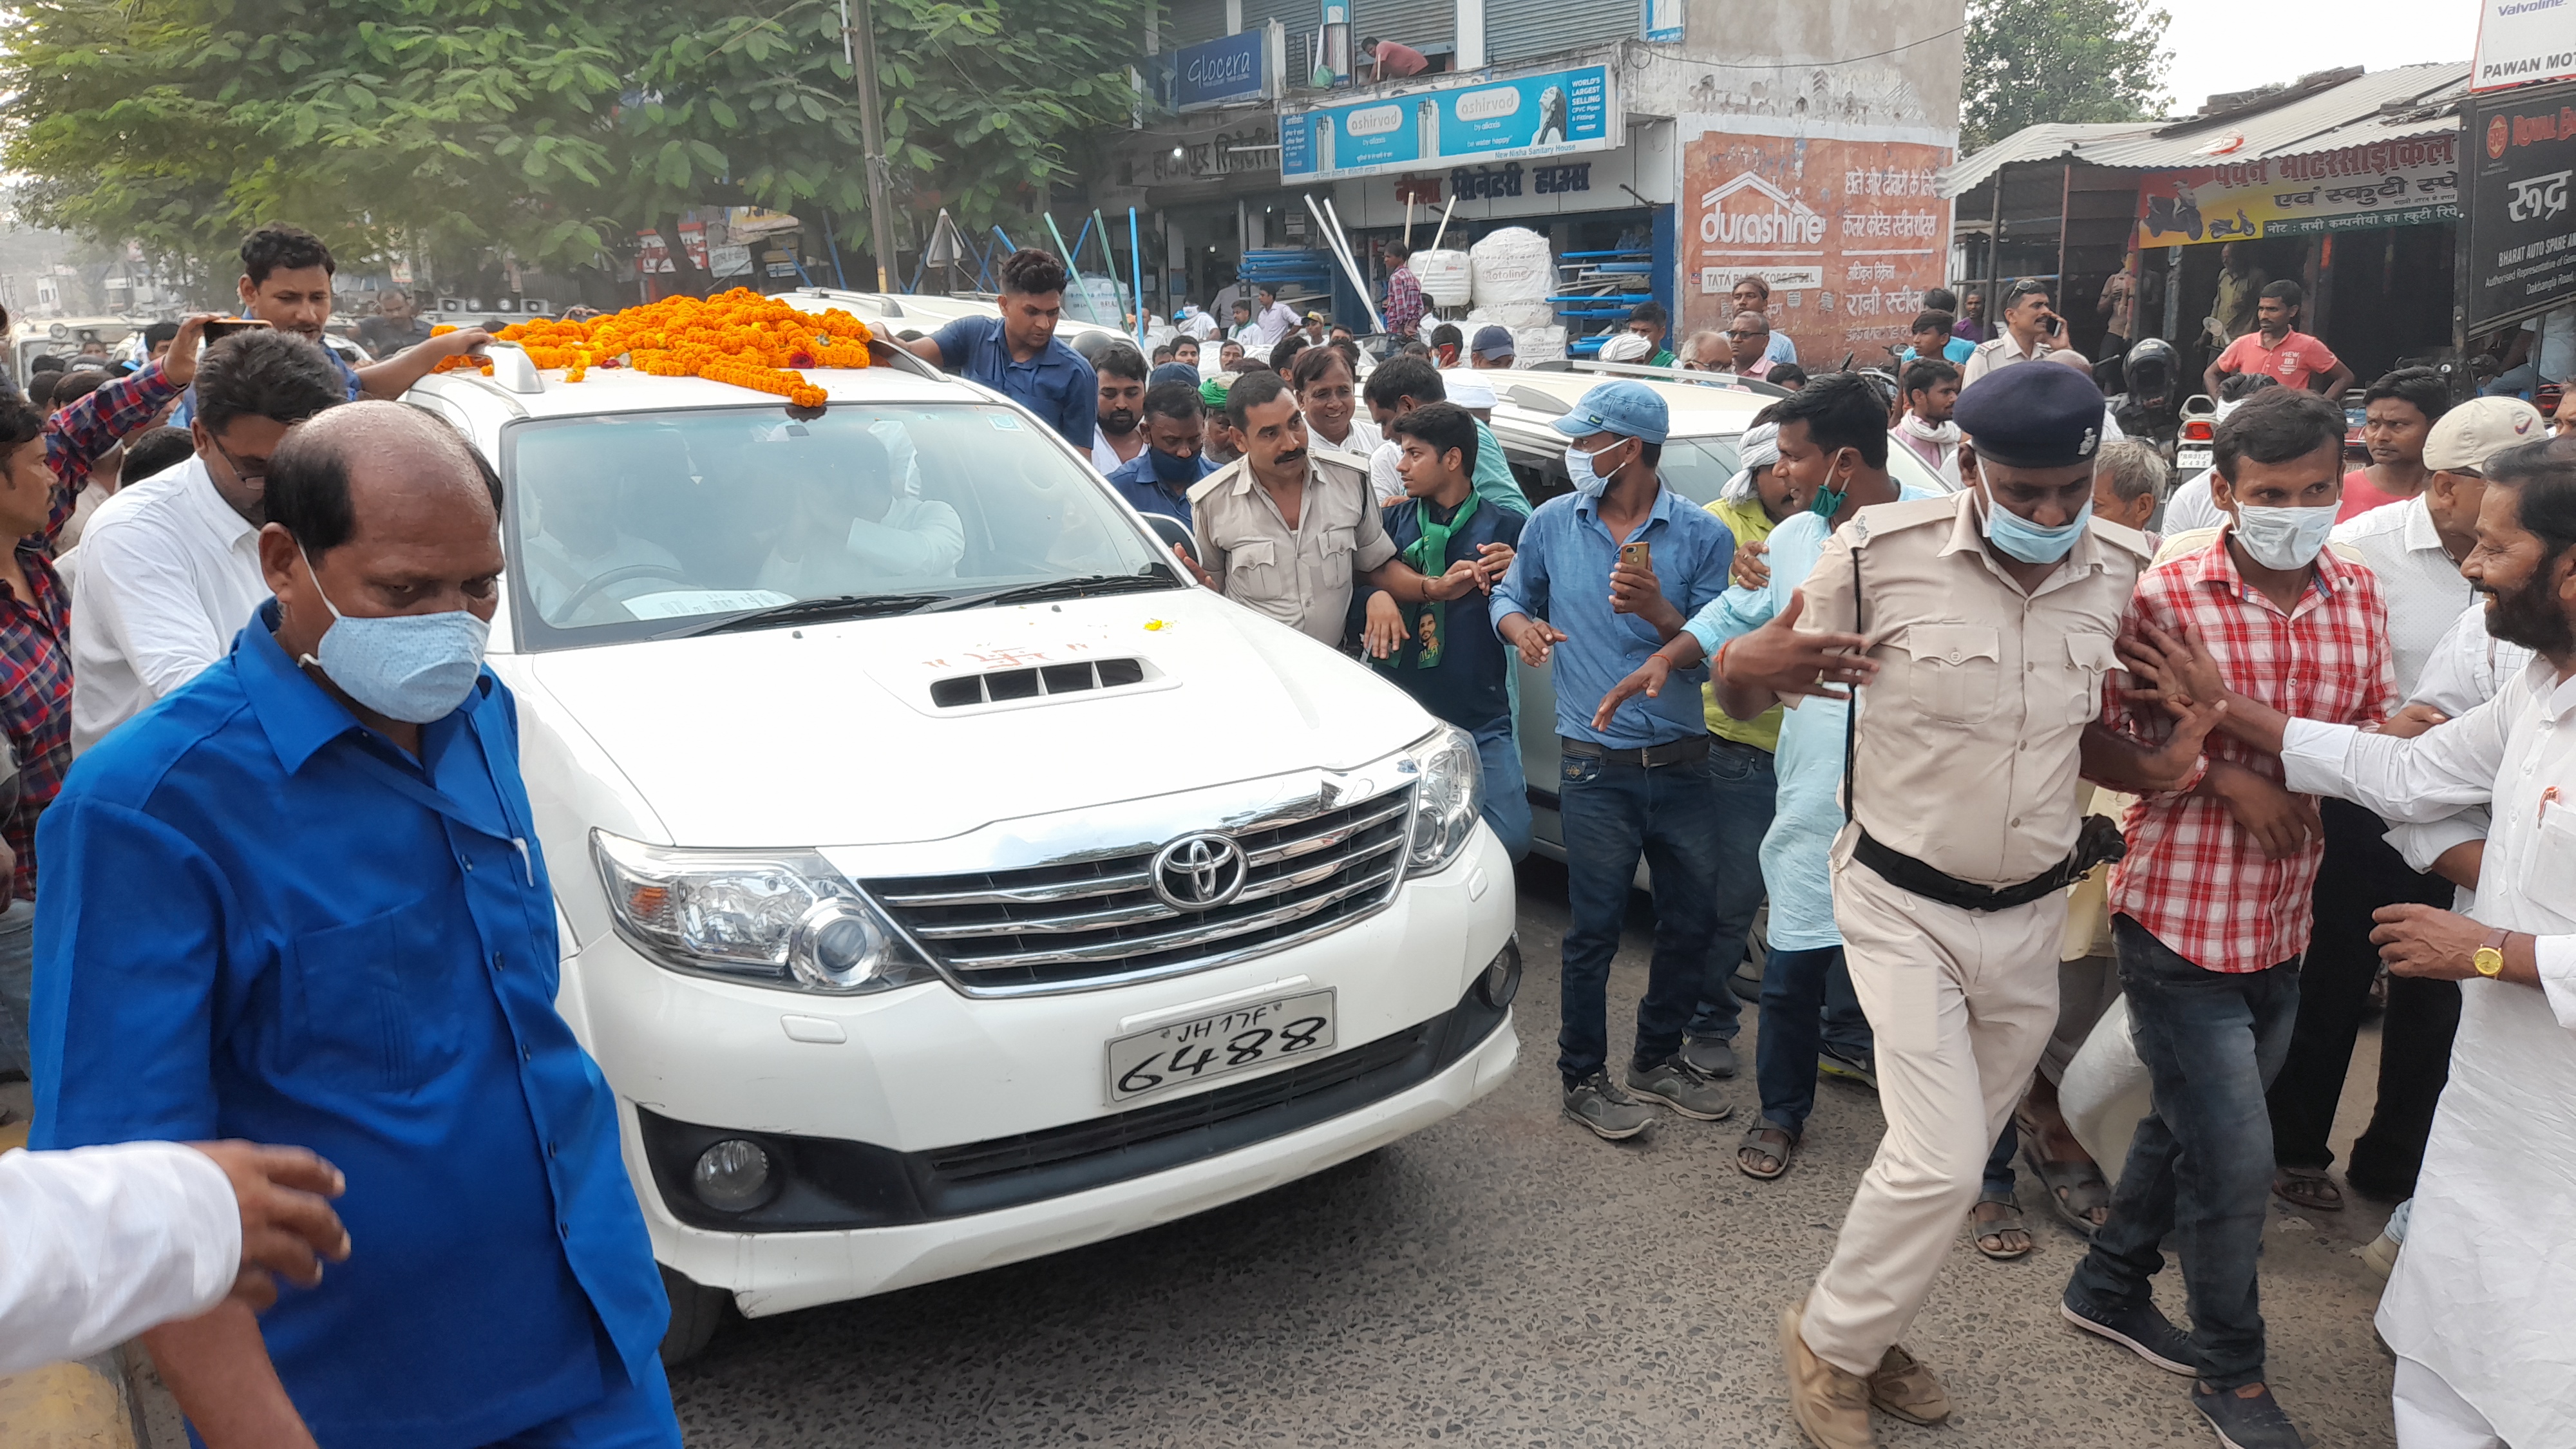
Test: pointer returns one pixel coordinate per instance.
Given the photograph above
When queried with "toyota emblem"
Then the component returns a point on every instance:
(1199, 872)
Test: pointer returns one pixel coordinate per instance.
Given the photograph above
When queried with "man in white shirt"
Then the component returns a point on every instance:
(100, 1243)
(2481, 1309)
(1272, 320)
(170, 565)
(2414, 546)
(1121, 370)
(1931, 390)
(856, 533)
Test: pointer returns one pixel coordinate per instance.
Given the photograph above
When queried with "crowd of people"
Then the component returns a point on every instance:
(2060, 773)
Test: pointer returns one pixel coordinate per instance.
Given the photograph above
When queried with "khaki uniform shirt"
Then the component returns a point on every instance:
(1998, 351)
(1299, 576)
(1969, 737)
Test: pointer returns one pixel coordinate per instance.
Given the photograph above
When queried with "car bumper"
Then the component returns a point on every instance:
(894, 1089)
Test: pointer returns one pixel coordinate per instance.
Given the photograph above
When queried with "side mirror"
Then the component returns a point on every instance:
(1174, 534)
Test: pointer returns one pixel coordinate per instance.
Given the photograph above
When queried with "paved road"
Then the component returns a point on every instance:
(1501, 1279)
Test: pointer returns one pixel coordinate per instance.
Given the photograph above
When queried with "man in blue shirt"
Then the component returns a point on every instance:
(1017, 354)
(1932, 338)
(1450, 660)
(1158, 479)
(1639, 785)
(350, 944)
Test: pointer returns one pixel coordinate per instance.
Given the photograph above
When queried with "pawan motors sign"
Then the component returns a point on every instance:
(2523, 41)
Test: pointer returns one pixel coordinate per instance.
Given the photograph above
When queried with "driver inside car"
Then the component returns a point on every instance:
(581, 539)
(854, 532)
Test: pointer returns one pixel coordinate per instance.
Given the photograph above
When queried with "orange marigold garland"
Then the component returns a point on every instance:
(740, 337)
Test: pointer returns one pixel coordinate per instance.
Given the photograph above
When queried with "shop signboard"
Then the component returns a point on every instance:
(1847, 227)
(1664, 22)
(1515, 118)
(2410, 182)
(2522, 42)
(1221, 72)
(2518, 256)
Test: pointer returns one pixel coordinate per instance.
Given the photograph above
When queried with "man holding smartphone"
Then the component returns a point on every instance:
(1611, 572)
(2031, 330)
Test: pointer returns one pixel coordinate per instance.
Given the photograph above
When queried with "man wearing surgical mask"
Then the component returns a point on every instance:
(2211, 911)
(1638, 779)
(351, 945)
(1979, 627)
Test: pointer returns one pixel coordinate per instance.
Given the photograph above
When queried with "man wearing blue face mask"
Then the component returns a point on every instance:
(1641, 781)
(350, 944)
(1980, 627)
(1158, 479)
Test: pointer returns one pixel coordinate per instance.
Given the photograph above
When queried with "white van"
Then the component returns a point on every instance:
(943, 880)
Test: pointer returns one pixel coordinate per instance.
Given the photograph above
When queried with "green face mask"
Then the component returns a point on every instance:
(1828, 502)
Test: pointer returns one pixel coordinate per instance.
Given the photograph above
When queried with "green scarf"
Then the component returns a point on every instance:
(1428, 557)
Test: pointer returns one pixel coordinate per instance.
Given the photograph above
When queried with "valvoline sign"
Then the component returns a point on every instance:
(1219, 71)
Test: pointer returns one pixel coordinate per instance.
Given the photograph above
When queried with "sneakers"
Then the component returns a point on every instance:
(2141, 1330)
(1709, 1056)
(2247, 1423)
(1832, 1403)
(1680, 1088)
(1610, 1113)
(1831, 1063)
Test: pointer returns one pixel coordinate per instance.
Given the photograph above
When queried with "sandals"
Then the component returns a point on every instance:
(1765, 1139)
(2308, 1188)
(2075, 1189)
(1992, 1230)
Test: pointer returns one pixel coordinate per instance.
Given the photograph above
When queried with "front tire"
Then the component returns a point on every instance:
(697, 1311)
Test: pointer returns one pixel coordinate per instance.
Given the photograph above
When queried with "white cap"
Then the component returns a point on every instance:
(1468, 390)
(1627, 347)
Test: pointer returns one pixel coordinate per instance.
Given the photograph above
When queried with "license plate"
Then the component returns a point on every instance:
(2188, 461)
(1220, 1045)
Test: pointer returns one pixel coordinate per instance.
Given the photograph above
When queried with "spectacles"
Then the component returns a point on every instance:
(240, 472)
(1741, 336)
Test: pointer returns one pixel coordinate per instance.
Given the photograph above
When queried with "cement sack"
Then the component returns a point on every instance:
(1537, 344)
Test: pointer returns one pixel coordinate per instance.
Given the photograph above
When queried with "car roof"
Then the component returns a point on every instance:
(926, 310)
(627, 390)
(1538, 398)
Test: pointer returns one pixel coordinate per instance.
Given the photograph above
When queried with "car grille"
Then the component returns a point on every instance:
(1071, 925)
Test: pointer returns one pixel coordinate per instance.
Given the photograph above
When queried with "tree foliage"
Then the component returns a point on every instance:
(545, 129)
(2030, 61)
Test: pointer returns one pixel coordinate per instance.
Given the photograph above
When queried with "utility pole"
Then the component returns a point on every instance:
(859, 47)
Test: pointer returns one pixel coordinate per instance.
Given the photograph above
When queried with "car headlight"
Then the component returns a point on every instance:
(1448, 797)
(775, 918)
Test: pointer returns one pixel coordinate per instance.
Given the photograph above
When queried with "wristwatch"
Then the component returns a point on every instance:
(2489, 958)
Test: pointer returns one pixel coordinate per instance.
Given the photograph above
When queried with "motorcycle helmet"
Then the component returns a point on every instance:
(2152, 371)
(1091, 344)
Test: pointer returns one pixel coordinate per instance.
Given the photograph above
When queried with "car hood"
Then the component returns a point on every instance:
(829, 734)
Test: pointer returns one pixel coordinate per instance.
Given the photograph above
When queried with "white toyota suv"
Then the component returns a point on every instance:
(944, 881)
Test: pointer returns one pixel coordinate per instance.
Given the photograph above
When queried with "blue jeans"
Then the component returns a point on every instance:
(1614, 813)
(1507, 804)
(1999, 1168)
(2200, 1168)
(1745, 787)
(1784, 1055)
(1846, 1025)
(17, 975)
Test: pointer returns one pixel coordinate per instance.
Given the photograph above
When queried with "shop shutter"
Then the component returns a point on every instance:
(1417, 23)
(1192, 21)
(1525, 29)
(1301, 19)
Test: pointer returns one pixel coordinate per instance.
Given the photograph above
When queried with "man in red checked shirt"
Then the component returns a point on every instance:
(44, 463)
(2276, 346)
(1403, 310)
(2211, 909)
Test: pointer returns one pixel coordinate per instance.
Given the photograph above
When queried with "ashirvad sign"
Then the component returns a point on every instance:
(2518, 254)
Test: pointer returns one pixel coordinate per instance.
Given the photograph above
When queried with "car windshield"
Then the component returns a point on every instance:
(648, 525)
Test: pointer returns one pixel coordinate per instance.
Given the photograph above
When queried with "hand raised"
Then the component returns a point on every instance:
(1783, 659)
(1648, 679)
(287, 1226)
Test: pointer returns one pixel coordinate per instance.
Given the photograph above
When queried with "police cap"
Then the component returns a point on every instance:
(2032, 417)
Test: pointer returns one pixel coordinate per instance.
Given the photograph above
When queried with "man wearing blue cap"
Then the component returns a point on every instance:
(1982, 626)
(1639, 783)
(1493, 348)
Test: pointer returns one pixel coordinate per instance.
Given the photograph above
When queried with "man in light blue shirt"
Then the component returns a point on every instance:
(1833, 452)
(1636, 780)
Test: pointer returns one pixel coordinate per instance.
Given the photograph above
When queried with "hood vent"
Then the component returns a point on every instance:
(1004, 686)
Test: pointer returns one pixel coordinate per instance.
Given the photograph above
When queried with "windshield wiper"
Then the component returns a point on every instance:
(837, 606)
(1068, 588)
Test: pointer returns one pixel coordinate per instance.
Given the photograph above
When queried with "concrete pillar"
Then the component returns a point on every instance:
(1233, 16)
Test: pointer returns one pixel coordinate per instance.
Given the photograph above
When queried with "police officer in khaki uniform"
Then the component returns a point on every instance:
(1979, 628)
(1285, 530)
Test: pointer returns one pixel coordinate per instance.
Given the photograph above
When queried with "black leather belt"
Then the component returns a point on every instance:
(1688, 751)
(2092, 847)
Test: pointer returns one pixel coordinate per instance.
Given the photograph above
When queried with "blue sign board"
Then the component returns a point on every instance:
(1218, 71)
(1551, 113)
(1664, 22)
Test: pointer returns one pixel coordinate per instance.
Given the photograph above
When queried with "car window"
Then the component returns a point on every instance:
(627, 526)
(1696, 468)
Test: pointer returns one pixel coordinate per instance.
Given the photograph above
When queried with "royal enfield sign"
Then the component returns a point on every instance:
(2518, 251)
(2522, 42)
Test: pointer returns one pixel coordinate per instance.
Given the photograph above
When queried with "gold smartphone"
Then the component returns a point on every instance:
(1637, 555)
(223, 327)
